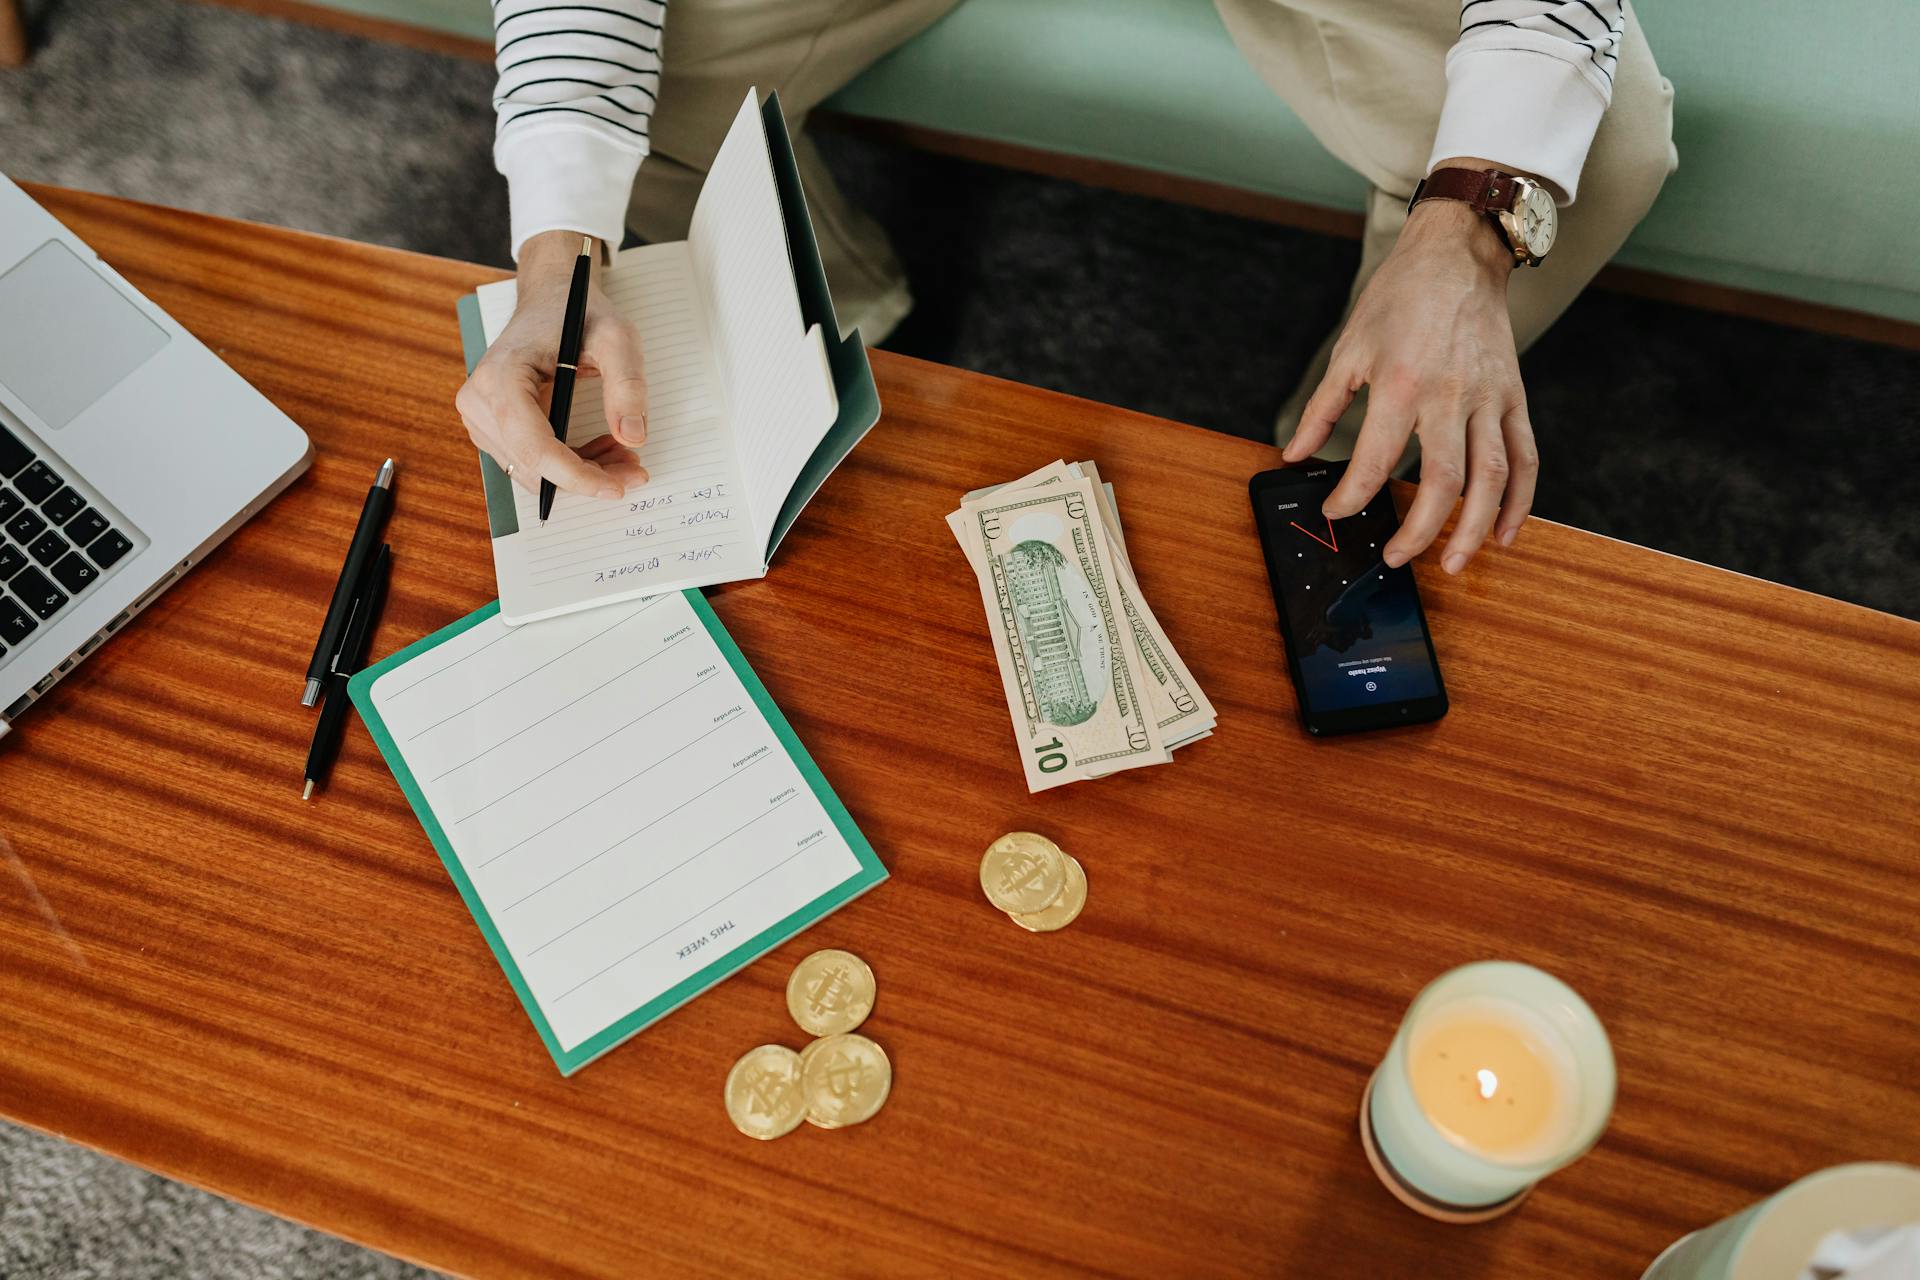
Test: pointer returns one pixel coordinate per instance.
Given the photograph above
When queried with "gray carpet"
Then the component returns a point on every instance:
(1767, 450)
(67, 1213)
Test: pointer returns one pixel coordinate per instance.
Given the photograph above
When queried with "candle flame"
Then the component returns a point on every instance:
(1488, 1082)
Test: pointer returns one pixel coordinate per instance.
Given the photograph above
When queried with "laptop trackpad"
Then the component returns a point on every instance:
(71, 336)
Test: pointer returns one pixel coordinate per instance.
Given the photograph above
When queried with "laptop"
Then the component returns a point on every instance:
(128, 451)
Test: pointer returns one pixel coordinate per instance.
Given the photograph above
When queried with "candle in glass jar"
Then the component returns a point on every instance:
(1499, 1075)
(1494, 1078)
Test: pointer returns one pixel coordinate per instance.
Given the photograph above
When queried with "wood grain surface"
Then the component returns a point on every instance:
(13, 35)
(1692, 795)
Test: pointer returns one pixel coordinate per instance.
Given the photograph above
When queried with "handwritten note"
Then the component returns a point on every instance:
(741, 395)
(623, 809)
(692, 515)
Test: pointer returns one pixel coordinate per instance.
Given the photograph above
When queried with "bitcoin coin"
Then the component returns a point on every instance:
(830, 992)
(847, 1079)
(765, 1096)
(1064, 909)
(806, 1056)
(1023, 872)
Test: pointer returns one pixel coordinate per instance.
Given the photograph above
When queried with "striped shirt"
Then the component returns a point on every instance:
(576, 91)
(1527, 83)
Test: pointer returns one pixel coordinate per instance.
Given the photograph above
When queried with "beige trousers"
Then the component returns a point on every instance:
(1367, 76)
(806, 50)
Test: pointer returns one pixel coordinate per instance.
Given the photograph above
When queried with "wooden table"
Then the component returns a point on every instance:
(13, 35)
(1692, 795)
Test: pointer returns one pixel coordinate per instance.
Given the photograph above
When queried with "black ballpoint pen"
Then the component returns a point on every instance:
(366, 539)
(353, 655)
(565, 367)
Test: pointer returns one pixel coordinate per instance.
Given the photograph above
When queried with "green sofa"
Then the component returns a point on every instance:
(1798, 126)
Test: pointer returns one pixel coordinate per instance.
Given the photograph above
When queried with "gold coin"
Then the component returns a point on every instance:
(765, 1097)
(1023, 872)
(830, 992)
(806, 1056)
(847, 1079)
(1064, 909)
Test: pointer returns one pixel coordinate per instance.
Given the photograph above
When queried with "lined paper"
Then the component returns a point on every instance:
(741, 395)
(691, 520)
(623, 810)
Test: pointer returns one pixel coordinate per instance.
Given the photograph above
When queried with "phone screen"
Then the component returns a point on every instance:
(1356, 636)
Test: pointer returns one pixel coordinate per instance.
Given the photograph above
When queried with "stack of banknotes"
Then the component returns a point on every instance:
(1092, 682)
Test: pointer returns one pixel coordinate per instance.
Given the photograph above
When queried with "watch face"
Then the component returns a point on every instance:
(1538, 221)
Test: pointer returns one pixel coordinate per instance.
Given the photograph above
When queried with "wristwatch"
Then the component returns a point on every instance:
(1519, 207)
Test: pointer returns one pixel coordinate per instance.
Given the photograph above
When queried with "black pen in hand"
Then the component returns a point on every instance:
(566, 369)
(353, 655)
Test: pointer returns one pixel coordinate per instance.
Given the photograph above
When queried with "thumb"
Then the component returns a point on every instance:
(613, 344)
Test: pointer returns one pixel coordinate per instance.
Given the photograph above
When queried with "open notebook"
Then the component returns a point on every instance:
(754, 398)
(625, 811)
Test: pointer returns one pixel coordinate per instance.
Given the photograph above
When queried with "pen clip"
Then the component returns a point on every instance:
(359, 602)
(363, 615)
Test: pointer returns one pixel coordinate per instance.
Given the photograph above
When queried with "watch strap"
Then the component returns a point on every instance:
(1485, 190)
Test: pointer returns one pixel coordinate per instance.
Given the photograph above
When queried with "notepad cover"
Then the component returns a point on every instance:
(596, 900)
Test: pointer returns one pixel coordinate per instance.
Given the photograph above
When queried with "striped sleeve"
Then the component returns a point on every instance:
(576, 90)
(1527, 83)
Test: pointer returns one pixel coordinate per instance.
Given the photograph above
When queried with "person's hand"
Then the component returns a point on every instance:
(504, 404)
(1430, 339)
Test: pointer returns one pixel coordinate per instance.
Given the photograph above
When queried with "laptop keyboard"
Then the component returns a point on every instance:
(53, 545)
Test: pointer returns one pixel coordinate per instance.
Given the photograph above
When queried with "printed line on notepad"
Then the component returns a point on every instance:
(603, 514)
(734, 536)
(542, 667)
(665, 648)
(668, 374)
(583, 806)
(409, 688)
(593, 522)
(669, 461)
(665, 351)
(591, 745)
(653, 501)
(606, 530)
(630, 835)
(684, 923)
(609, 535)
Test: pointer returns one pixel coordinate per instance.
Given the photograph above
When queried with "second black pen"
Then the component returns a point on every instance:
(368, 603)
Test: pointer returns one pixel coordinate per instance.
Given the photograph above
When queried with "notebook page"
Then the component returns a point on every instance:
(689, 524)
(779, 386)
(616, 799)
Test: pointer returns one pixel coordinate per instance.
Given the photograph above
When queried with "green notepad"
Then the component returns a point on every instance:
(624, 809)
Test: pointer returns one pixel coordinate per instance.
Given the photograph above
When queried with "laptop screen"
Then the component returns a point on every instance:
(70, 336)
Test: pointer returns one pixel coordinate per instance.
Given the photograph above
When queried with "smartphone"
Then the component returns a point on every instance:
(1358, 648)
